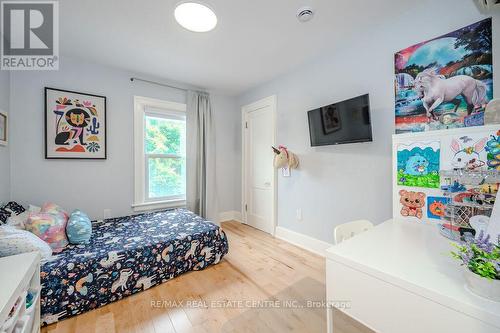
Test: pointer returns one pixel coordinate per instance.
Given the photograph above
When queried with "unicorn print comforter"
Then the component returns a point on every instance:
(127, 255)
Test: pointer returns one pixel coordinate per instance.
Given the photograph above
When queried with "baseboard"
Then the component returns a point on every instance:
(309, 243)
(231, 215)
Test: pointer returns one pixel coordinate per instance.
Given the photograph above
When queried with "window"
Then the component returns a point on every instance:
(160, 154)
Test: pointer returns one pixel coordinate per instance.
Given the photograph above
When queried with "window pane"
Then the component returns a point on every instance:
(167, 177)
(164, 136)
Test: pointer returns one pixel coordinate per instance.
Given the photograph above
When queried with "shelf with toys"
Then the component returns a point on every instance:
(471, 196)
(449, 178)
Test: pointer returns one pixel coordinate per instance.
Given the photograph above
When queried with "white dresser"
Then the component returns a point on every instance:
(399, 277)
(20, 275)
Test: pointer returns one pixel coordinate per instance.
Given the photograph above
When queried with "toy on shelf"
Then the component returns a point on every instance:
(470, 197)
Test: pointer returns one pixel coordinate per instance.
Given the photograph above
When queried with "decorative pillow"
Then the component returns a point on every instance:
(18, 221)
(14, 241)
(4, 215)
(79, 228)
(34, 209)
(10, 209)
(14, 208)
(52, 208)
(51, 228)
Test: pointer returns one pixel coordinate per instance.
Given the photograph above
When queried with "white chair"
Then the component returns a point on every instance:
(350, 229)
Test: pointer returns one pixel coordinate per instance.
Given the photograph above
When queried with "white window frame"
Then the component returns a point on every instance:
(161, 108)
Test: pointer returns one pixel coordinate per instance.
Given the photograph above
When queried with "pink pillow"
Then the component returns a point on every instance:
(49, 227)
(52, 208)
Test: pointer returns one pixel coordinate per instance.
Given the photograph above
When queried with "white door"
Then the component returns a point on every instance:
(259, 173)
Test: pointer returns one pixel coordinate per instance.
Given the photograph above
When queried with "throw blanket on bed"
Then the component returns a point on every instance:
(127, 255)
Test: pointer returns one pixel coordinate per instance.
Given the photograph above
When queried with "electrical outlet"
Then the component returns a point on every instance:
(299, 214)
(107, 213)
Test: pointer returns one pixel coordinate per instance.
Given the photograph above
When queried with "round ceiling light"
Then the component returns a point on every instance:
(195, 17)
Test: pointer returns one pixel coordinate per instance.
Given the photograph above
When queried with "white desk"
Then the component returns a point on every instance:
(399, 277)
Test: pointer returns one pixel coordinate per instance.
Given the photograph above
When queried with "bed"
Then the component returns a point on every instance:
(127, 255)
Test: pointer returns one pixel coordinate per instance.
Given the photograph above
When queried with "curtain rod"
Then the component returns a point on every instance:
(132, 79)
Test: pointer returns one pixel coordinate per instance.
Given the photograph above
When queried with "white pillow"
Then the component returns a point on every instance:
(7, 229)
(18, 221)
(14, 241)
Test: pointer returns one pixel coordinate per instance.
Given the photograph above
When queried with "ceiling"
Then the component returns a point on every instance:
(255, 40)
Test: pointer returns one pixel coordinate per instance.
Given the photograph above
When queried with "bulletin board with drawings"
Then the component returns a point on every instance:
(421, 160)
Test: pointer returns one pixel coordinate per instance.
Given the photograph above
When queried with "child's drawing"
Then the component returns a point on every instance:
(466, 152)
(418, 164)
(436, 207)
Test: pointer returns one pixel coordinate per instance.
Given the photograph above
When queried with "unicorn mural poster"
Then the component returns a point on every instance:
(445, 82)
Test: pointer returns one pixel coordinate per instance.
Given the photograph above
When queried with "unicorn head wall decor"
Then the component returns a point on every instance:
(284, 158)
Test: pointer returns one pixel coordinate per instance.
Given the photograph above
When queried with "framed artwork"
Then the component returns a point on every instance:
(75, 125)
(331, 119)
(469, 151)
(418, 164)
(3, 128)
(445, 82)
(436, 207)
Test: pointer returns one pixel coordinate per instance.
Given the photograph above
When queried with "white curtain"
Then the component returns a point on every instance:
(200, 164)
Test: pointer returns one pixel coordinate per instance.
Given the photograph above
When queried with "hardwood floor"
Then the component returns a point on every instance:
(225, 297)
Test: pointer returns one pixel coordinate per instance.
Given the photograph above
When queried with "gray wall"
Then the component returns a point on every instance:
(228, 141)
(4, 150)
(337, 184)
(93, 185)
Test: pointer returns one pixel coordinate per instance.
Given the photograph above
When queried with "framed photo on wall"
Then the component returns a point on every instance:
(3, 128)
(331, 119)
(445, 82)
(75, 125)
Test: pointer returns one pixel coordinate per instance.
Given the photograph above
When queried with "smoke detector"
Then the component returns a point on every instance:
(305, 14)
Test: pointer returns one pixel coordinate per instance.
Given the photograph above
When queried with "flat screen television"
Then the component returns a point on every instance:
(344, 122)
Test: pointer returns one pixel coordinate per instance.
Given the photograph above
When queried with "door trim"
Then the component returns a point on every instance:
(271, 102)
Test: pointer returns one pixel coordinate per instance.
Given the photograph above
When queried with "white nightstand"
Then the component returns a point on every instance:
(20, 274)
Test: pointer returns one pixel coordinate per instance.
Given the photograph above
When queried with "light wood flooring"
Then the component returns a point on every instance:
(223, 298)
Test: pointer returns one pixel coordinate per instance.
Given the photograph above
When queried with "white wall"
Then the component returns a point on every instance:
(86, 184)
(337, 184)
(4, 150)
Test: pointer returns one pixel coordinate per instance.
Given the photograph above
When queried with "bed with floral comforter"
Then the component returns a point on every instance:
(127, 255)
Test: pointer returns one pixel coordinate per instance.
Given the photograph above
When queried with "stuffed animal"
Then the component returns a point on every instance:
(284, 158)
(412, 203)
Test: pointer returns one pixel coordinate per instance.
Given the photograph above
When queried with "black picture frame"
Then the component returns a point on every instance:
(330, 117)
(46, 91)
(5, 124)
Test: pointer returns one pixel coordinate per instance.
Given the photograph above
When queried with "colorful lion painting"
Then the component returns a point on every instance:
(445, 82)
(75, 125)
